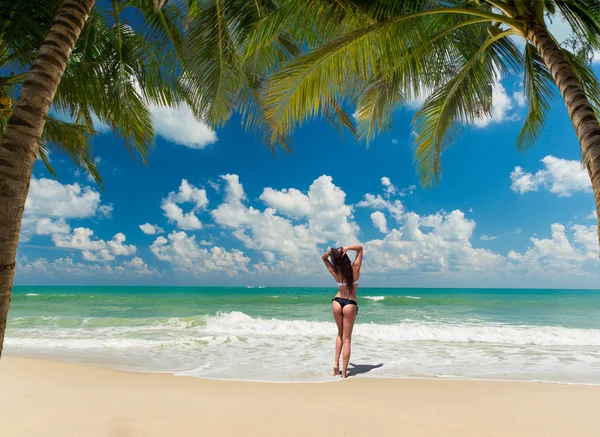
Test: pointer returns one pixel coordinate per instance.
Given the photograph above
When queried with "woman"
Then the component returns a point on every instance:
(344, 304)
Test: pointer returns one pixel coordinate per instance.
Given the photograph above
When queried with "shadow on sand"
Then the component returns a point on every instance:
(357, 369)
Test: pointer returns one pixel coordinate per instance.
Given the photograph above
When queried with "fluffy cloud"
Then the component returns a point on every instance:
(50, 198)
(389, 188)
(503, 106)
(561, 176)
(326, 218)
(436, 244)
(42, 226)
(395, 208)
(80, 239)
(49, 204)
(180, 126)
(573, 251)
(149, 229)
(117, 247)
(137, 266)
(68, 268)
(488, 237)
(94, 249)
(187, 194)
(185, 254)
(290, 202)
(379, 221)
(100, 255)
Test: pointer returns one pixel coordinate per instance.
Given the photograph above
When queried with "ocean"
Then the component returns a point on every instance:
(285, 334)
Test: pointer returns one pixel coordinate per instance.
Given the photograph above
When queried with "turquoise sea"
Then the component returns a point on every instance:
(287, 334)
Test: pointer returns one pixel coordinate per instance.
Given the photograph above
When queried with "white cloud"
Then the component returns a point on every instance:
(561, 176)
(326, 218)
(42, 226)
(407, 191)
(100, 255)
(94, 249)
(559, 255)
(185, 254)
(138, 266)
(46, 226)
(80, 239)
(445, 247)
(379, 221)
(50, 198)
(389, 188)
(117, 247)
(187, 221)
(269, 256)
(394, 141)
(488, 237)
(292, 202)
(149, 229)
(592, 215)
(106, 210)
(179, 126)
(415, 102)
(395, 208)
(520, 99)
(187, 194)
(502, 106)
(68, 268)
(50, 204)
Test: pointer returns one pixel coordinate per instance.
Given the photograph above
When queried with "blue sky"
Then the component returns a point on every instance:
(225, 211)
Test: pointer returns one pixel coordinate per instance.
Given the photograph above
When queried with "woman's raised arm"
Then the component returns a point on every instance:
(359, 255)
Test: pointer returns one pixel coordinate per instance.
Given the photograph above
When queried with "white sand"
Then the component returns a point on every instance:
(44, 398)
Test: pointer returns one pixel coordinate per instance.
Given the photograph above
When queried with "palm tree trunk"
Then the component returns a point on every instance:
(578, 106)
(20, 145)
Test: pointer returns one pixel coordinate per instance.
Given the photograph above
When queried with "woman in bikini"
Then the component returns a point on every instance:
(344, 304)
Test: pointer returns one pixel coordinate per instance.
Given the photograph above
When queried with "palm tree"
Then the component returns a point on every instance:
(380, 54)
(74, 59)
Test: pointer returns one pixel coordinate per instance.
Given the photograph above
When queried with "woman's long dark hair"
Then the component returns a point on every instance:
(342, 265)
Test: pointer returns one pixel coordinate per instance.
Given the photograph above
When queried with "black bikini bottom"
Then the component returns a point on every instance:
(343, 302)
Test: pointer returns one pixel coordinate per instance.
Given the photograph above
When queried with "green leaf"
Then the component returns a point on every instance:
(539, 88)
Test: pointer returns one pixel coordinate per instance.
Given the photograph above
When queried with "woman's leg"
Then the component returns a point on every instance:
(336, 308)
(349, 315)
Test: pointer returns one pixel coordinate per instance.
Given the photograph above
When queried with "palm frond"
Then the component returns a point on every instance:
(215, 33)
(44, 156)
(376, 105)
(587, 79)
(540, 90)
(72, 139)
(301, 89)
(458, 103)
(584, 18)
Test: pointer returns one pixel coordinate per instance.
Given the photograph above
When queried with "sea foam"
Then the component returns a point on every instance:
(229, 344)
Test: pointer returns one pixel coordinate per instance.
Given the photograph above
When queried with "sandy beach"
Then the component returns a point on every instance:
(40, 397)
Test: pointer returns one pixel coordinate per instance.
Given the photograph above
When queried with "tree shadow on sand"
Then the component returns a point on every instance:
(357, 369)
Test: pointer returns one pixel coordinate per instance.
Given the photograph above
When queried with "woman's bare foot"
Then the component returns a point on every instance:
(336, 370)
(344, 375)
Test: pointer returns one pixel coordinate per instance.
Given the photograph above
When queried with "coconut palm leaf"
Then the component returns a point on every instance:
(584, 18)
(72, 139)
(458, 103)
(540, 90)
